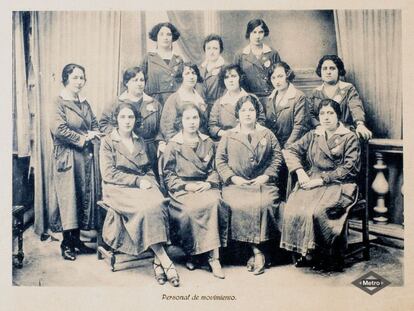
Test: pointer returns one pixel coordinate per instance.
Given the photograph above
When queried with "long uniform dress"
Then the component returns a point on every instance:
(254, 209)
(148, 127)
(161, 75)
(138, 218)
(288, 120)
(199, 221)
(169, 113)
(222, 116)
(314, 218)
(257, 70)
(72, 186)
(211, 88)
(348, 98)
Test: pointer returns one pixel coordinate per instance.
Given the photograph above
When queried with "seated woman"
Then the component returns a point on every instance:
(198, 216)
(315, 213)
(150, 111)
(189, 77)
(352, 114)
(248, 160)
(222, 117)
(138, 218)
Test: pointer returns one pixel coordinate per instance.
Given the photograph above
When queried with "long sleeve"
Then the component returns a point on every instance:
(172, 180)
(350, 167)
(223, 168)
(110, 173)
(355, 106)
(299, 121)
(213, 176)
(62, 131)
(107, 122)
(168, 116)
(94, 122)
(276, 159)
(314, 118)
(294, 154)
(213, 122)
(261, 118)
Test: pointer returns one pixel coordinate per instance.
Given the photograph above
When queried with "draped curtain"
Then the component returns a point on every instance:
(369, 42)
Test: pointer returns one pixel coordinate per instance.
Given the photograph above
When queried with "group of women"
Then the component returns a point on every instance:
(221, 140)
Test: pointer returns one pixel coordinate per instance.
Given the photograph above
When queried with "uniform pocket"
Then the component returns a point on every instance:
(63, 158)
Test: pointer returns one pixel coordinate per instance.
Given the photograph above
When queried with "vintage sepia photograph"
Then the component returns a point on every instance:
(207, 156)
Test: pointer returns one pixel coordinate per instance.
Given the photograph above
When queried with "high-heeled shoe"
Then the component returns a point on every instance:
(215, 267)
(190, 264)
(68, 253)
(259, 264)
(250, 264)
(172, 275)
(82, 248)
(159, 273)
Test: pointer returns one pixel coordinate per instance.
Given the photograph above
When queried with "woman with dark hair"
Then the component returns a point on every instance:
(248, 160)
(210, 69)
(330, 68)
(188, 77)
(138, 218)
(256, 59)
(222, 117)
(326, 161)
(148, 123)
(161, 65)
(74, 129)
(198, 216)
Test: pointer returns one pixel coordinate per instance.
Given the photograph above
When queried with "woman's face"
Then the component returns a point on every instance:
(76, 81)
(189, 77)
(126, 120)
(164, 37)
(212, 50)
(279, 79)
(136, 84)
(329, 72)
(257, 36)
(232, 80)
(191, 121)
(247, 114)
(328, 118)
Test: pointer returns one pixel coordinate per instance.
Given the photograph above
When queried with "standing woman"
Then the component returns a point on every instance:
(187, 93)
(198, 216)
(256, 59)
(161, 66)
(222, 117)
(73, 129)
(211, 68)
(248, 160)
(326, 161)
(330, 68)
(138, 218)
(149, 109)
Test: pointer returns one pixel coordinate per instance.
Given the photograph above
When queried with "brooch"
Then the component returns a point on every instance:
(151, 108)
(263, 142)
(267, 63)
(215, 72)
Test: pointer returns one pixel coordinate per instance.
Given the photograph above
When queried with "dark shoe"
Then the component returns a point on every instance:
(82, 248)
(250, 264)
(172, 275)
(159, 273)
(68, 253)
(216, 268)
(259, 264)
(190, 264)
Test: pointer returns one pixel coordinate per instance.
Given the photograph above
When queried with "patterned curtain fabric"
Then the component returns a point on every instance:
(369, 43)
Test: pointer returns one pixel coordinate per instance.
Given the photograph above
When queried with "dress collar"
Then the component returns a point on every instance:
(184, 97)
(341, 130)
(341, 84)
(219, 63)
(116, 137)
(228, 99)
(66, 95)
(179, 139)
(290, 93)
(266, 49)
(124, 96)
(237, 128)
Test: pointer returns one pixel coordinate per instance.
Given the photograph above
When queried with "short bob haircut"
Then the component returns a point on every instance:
(213, 37)
(68, 69)
(153, 34)
(179, 75)
(136, 113)
(178, 123)
(290, 75)
(251, 25)
(248, 98)
(331, 103)
(336, 60)
(131, 73)
(226, 69)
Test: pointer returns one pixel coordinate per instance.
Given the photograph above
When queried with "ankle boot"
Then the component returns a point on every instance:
(66, 247)
(79, 245)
